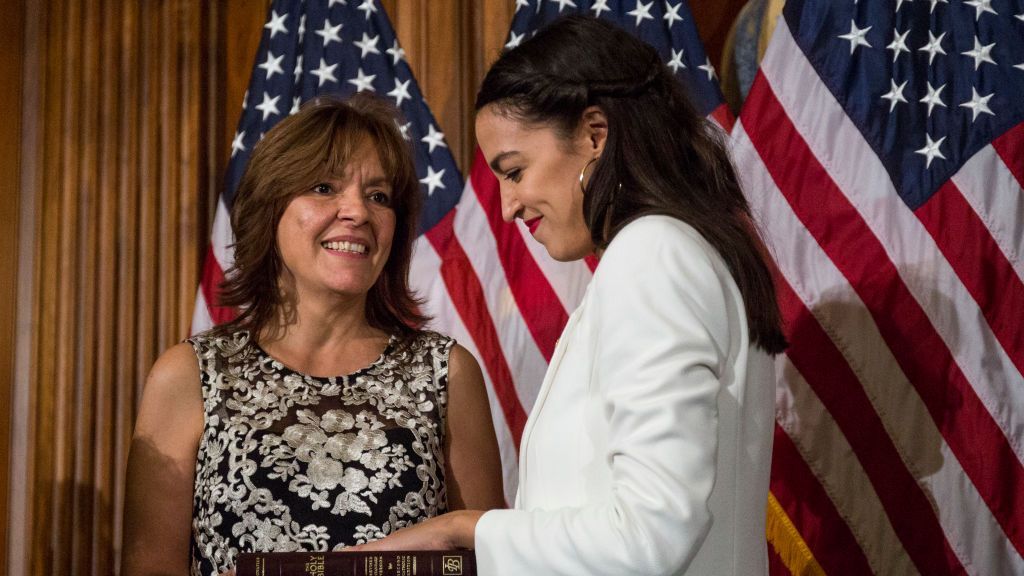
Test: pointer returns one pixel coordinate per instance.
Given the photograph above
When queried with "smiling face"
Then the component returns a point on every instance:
(335, 237)
(538, 172)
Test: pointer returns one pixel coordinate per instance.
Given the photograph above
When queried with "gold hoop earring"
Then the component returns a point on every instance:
(584, 171)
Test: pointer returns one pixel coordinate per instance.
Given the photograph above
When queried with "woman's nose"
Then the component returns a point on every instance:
(352, 206)
(510, 206)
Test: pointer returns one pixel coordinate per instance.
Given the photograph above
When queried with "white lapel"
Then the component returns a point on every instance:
(542, 394)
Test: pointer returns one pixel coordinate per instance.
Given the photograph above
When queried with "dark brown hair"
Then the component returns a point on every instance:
(661, 156)
(316, 142)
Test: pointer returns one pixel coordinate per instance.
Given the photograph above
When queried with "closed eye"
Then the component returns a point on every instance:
(513, 175)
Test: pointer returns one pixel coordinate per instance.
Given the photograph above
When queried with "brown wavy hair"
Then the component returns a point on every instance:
(661, 156)
(317, 142)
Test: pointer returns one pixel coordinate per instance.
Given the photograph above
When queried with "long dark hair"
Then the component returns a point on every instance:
(661, 156)
(316, 142)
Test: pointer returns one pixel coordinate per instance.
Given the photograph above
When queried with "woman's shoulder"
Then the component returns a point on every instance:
(175, 374)
(175, 361)
(661, 261)
(219, 350)
(219, 336)
(658, 229)
(429, 339)
(660, 240)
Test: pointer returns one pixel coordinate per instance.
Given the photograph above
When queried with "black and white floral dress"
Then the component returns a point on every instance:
(291, 462)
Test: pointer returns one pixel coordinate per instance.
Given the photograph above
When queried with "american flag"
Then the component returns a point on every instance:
(882, 150)
(485, 282)
(503, 296)
(314, 47)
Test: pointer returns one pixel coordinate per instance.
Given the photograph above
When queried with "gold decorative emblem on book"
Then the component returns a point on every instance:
(451, 566)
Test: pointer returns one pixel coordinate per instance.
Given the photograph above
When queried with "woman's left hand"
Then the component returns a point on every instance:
(445, 532)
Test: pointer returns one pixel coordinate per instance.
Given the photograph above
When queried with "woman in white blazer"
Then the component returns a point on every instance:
(649, 446)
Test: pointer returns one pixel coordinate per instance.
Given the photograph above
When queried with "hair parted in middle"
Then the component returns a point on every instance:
(315, 143)
(661, 156)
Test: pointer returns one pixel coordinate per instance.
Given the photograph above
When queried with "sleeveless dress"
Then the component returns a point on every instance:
(291, 462)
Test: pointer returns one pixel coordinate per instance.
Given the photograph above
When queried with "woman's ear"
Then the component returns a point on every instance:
(594, 130)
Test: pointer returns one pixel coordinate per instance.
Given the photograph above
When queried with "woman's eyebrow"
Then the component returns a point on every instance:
(379, 180)
(501, 156)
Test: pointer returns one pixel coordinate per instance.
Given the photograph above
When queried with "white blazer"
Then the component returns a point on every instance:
(648, 449)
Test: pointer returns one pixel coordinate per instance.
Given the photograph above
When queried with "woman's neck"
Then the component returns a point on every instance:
(321, 337)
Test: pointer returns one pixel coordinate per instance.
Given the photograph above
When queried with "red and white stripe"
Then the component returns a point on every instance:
(219, 258)
(902, 391)
(492, 287)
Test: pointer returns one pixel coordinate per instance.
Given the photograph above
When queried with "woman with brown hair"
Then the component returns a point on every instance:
(322, 416)
(648, 449)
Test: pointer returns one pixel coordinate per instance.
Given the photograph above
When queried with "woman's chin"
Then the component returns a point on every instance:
(563, 253)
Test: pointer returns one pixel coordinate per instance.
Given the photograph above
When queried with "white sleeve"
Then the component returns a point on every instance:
(662, 334)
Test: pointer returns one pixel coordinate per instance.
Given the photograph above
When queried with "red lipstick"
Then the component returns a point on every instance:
(532, 224)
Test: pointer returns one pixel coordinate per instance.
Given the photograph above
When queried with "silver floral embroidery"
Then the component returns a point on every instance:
(290, 462)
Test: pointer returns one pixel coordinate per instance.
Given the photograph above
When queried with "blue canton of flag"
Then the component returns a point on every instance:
(667, 26)
(929, 83)
(314, 47)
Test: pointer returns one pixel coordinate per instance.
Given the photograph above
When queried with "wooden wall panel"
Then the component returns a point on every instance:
(121, 223)
(12, 55)
(491, 22)
(104, 439)
(123, 205)
(434, 35)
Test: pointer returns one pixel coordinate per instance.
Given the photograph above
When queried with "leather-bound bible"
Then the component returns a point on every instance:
(408, 563)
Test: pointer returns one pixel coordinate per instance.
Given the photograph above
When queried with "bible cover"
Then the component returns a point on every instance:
(410, 563)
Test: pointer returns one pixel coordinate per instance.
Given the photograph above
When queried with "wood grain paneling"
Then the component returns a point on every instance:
(241, 22)
(434, 35)
(491, 22)
(12, 55)
(121, 214)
